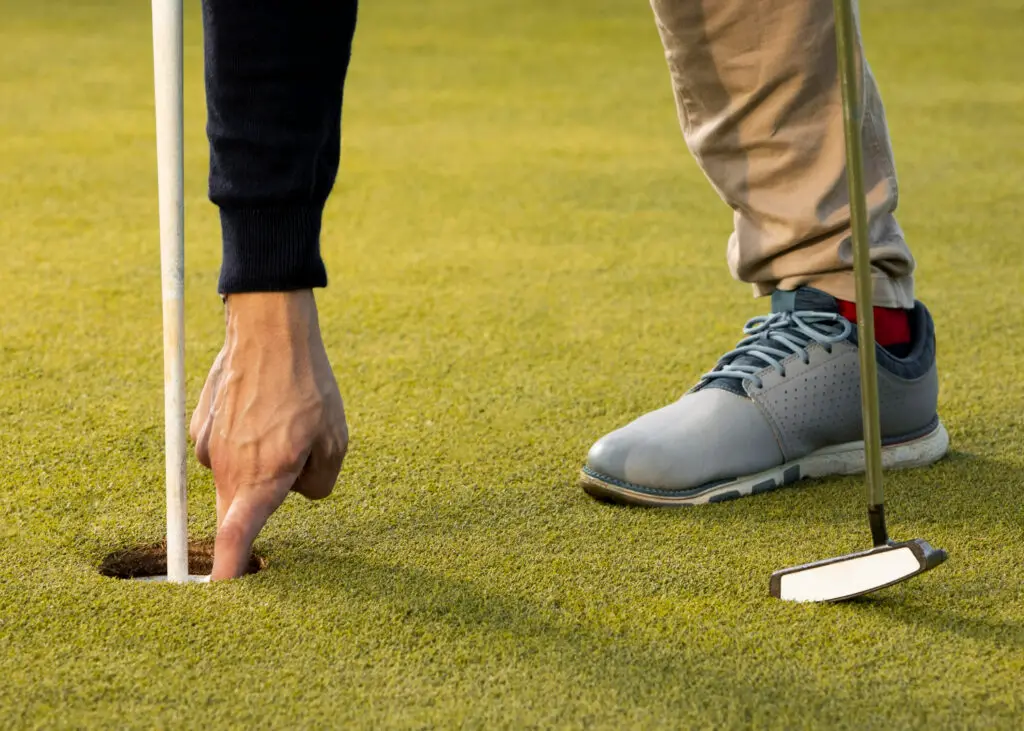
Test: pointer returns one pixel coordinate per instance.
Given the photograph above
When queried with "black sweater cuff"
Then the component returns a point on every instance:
(273, 249)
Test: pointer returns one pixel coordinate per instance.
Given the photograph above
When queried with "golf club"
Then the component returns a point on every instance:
(888, 562)
(167, 75)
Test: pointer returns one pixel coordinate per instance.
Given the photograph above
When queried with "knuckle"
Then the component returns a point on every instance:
(292, 457)
(195, 424)
(337, 457)
(315, 489)
(231, 533)
(203, 453)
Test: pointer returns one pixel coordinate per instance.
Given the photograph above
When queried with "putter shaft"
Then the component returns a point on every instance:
(850, 73)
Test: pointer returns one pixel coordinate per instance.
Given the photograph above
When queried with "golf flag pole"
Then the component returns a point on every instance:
(167, 76)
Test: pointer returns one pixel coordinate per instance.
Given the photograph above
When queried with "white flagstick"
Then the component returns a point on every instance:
(167, 75)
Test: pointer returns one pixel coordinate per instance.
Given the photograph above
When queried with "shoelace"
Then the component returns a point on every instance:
(772, 338)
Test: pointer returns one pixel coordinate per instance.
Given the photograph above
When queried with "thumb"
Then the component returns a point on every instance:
(244, 519)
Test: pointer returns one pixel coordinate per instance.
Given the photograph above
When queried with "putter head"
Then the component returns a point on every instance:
(855, 574)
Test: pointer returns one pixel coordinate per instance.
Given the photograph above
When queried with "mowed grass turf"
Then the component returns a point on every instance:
(522, 256)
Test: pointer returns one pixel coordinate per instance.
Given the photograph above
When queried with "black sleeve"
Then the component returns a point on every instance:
(275, 73)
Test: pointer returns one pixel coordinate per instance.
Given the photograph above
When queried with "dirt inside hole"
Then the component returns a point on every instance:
(151, 560)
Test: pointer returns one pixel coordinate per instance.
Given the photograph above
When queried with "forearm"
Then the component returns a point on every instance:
(275, 74)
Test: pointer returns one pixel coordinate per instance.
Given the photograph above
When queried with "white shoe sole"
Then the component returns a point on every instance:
(842, 459)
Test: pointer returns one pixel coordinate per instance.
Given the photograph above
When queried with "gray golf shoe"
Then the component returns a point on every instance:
(781, 407)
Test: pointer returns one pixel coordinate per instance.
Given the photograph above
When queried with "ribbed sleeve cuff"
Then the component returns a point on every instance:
(271, 250)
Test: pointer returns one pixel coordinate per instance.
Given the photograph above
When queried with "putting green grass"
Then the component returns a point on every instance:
(522, 257)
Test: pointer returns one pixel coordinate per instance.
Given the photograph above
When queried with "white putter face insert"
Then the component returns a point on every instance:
(855, 574)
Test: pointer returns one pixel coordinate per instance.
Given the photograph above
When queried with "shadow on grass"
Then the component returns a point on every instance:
(691, 670)
(1004, 633)
(965, 494)
(961, 488)
(691, 674)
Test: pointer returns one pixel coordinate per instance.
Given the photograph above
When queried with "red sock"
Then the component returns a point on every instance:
(892, 326)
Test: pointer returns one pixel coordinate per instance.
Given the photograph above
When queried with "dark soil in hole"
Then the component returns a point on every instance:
(151, 560)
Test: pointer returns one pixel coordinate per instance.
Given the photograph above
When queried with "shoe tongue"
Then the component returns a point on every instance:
(802, 299)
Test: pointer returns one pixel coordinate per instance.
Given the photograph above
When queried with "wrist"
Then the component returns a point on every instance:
(271, 311)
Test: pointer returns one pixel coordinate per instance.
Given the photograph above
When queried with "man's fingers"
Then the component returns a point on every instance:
(199, 416)
(320, 473)
(223, 505)
(205, 397)
(244, 519)
(199, 424)
(202, 440)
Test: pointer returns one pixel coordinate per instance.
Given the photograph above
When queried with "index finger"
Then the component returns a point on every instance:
(248, 512)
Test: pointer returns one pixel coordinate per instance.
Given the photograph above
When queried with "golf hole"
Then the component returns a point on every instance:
(150, 561)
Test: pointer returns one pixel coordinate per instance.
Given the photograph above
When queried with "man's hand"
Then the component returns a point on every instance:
(269, 420)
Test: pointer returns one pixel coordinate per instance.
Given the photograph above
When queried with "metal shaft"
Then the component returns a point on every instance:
(167, 75)
(850, 74)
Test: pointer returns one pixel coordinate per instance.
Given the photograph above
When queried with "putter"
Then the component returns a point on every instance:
(888, 562)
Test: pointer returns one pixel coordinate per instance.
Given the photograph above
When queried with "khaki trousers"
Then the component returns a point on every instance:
(757, 88)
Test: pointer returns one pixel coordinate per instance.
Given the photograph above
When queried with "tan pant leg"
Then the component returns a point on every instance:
(757, 87)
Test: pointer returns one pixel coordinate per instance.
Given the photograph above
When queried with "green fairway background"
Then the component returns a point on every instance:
(523, 256)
